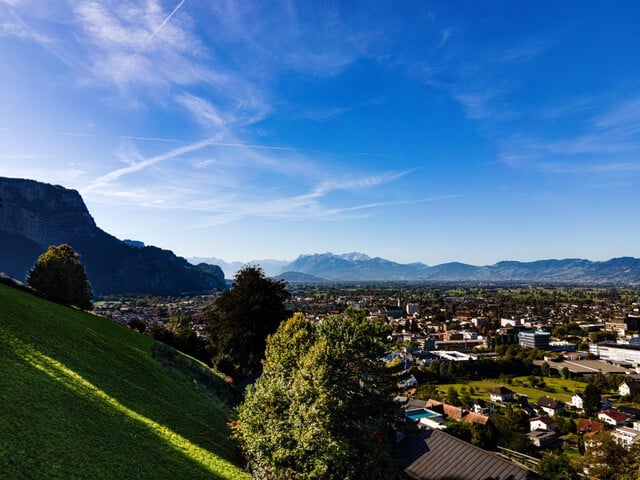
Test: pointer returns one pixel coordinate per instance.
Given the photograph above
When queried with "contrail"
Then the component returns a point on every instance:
(151, 37)
(136, 167)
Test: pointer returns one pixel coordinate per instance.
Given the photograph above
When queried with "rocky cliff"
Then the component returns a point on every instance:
(34, 215)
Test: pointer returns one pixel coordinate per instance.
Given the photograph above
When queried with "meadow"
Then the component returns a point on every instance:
(84, 397)
(558, 388)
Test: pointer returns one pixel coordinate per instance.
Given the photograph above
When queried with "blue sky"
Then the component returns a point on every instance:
(415, 131)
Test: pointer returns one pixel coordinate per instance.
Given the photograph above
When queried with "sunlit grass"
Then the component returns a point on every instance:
(80, 386)
(82, 397)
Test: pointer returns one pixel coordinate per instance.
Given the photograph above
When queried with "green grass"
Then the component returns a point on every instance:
(520, 386)
(83, 397)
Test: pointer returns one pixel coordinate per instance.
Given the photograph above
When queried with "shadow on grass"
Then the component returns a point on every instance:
(211, 465)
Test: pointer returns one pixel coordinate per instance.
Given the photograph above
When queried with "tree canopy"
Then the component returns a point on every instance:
(607, 459)
(243, 317)
(591, 401)
(321, 408)
(59, 276)
(556, 466)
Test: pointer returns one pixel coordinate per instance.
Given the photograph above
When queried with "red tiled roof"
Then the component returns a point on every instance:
(457, 413)
(586, 425)
(615, 414)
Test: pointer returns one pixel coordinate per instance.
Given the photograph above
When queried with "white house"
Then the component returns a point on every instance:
(542, 423)
(612, 417)
(551, 406)
(577, 400)
(629, 388)
(501, 394)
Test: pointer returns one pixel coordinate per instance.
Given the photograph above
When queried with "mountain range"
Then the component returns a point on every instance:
(352, 267)
(271, 267)
(35, 215)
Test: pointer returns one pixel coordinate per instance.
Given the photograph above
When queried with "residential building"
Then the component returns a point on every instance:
(586, 426)
(613, 417)
(625, 436)
(577, 400)
(501, 394)
(544, 423)
(436, 454)
(456, 413)
(542, 438)
(482, 406)
(629, 388)
(551, 406)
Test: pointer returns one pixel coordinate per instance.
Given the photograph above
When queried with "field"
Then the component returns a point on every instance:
(83, 397)
(555, 388)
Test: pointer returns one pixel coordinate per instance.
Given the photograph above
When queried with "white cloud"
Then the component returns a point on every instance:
(626, 114)
(204, 112)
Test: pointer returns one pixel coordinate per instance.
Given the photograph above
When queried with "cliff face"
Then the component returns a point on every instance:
(45, 214)
(35, 215)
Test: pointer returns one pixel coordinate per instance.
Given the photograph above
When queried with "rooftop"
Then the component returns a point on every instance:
(436, 455)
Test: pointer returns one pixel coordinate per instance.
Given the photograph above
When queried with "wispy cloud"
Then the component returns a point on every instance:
(626, 115)
(136, 44)
(137, 166)
(204, 112)
(357, 183)
(444, 36)
(478, 79)
(524, 52)
(19, 28)
(612, 134)
(152, 35)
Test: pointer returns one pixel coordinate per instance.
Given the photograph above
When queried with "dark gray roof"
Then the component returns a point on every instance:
(634, 412)
(502, 390)
(436, 455)
(550, 403)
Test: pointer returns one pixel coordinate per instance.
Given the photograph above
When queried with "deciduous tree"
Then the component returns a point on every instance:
(244, 316)
(59, 276)
(320, 409)
(556, 466)
(591, 403)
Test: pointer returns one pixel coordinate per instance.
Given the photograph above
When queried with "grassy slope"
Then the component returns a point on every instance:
(82, 397)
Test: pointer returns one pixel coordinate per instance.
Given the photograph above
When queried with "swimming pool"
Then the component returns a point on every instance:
(421, 413)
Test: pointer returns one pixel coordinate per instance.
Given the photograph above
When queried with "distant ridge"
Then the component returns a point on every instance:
(271, 267)
(298, 277)
(359, 267)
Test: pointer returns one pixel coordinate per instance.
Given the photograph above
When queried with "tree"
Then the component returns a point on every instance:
(556, 466)
(59, 276)
(607, 459)
(453, 397)
(465, 398)
(545, 370)
(591, 402)
(321, 408)
(597, 337)
(244, 316)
